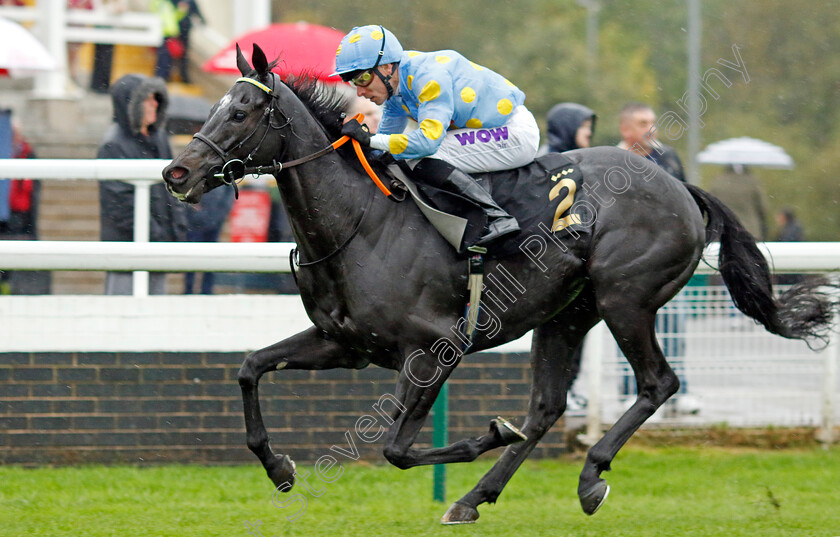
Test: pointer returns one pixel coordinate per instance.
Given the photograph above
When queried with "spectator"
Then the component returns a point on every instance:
(170, 13)
(187, 9)
(103, 53)
(637, 124)
(205, 224)
(742, 192)
(19, 211)
(570, 126)
(789, 228)
(73, 48)
(19, 216)
(137, 132)
(638, 134)
(789, 231)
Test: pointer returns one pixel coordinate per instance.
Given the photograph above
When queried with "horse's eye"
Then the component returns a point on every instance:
(239, 116)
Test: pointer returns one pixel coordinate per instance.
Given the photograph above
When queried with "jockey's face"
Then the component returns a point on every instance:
(376, 90)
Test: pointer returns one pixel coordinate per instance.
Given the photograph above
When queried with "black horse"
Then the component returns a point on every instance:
(382, 287)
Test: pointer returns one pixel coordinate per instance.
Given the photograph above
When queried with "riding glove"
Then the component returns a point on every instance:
(355, 130)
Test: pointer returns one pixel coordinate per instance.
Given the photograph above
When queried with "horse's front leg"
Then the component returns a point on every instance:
(420, 382)
(309, 349)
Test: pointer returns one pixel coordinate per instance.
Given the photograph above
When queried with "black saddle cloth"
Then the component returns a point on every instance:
(544, 197)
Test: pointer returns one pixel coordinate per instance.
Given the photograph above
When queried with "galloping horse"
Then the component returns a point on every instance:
(382, 287)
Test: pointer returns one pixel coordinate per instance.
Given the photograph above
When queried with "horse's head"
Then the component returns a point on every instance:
(242, 130)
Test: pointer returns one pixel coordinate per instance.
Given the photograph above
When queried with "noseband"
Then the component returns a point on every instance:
(234, 169)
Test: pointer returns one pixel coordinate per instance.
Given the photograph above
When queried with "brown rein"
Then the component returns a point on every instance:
(279, 166)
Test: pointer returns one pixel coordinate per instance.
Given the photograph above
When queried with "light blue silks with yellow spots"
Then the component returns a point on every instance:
(443, 90)
(361, 48)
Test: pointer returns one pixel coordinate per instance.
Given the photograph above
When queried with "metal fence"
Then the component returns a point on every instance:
(732, 371)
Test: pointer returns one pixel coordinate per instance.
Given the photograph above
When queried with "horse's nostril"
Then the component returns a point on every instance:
(177, 174)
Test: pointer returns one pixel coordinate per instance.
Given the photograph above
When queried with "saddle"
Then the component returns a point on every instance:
(544, 196)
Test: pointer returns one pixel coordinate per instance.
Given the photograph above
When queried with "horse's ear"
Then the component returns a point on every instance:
(260, 61)
(241, 62)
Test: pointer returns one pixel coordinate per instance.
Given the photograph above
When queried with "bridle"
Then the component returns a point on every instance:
(235, 169)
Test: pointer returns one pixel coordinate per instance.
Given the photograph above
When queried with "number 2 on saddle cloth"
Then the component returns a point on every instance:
(545, 197)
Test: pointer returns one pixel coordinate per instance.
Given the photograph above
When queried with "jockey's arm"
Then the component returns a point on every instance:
(433, 92)
(394, 118)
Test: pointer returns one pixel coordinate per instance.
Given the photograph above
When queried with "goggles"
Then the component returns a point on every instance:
(363, 80)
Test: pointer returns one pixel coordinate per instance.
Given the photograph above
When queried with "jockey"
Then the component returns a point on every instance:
(470, 119)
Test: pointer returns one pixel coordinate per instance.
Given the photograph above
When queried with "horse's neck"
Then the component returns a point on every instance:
(324, 198)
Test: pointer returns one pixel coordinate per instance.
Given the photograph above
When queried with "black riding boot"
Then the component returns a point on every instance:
(441, 174)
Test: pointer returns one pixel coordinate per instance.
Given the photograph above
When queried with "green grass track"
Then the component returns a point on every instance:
(655, 492)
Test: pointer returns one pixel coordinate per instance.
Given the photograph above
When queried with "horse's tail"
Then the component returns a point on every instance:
(805, 312)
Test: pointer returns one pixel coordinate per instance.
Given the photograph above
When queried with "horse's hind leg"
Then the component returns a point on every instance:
(553, 366)
(420, 382)
(633, 329)
(306, 350)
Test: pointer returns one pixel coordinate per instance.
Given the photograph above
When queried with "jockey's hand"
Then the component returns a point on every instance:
(355, 130)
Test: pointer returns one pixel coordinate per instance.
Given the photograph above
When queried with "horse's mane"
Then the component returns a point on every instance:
(326, 103)
(328, 106)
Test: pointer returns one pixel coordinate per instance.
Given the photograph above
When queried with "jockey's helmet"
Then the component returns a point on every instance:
(366, 47)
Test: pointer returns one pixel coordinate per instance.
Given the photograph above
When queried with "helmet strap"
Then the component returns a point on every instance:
(385, 80)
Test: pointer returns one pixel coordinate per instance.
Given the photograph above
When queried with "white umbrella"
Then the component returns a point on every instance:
(20, 52)
(746, 152)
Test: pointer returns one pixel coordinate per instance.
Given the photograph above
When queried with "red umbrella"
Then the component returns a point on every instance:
(302, 48)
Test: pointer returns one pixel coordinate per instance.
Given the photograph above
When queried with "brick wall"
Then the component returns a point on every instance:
(65, 408)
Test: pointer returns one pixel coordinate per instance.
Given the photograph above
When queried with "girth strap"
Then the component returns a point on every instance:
(475, 284)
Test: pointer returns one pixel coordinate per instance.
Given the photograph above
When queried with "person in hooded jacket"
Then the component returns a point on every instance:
(137, 132)
(570, 126)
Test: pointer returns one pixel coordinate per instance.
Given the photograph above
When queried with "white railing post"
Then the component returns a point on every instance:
(142, 206)
(829, 395)
(51, 27)
(825, 434)
(593, 355)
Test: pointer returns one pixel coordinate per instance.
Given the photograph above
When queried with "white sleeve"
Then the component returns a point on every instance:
(380, 141)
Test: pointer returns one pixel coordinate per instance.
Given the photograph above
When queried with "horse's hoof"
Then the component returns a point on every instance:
(594, 497)
(507, 431)
(281, 471)
(459, 513)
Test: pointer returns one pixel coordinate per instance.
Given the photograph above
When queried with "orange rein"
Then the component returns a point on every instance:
(360, 154)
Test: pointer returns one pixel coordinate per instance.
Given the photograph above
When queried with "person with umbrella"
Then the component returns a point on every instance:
(744, 194)
(471, 119)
